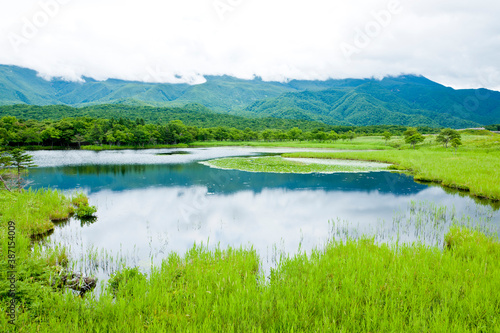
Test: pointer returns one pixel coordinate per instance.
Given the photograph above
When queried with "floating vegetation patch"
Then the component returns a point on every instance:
(288, 165)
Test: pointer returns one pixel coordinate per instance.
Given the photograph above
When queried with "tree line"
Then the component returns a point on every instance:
(75, 132)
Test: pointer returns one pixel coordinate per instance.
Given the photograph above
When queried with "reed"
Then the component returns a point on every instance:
(348, 285)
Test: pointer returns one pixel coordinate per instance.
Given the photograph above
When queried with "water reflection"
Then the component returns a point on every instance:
(118, 178)
(160, 220)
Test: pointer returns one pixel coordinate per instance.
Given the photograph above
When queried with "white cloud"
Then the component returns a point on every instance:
(453, 42)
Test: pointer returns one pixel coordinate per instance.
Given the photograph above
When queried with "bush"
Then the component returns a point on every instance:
(85, 211)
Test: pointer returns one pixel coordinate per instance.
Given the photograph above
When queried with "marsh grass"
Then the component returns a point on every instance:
(281, 165)
(349, 285)
(80, 199)
(474, 170)
(175, 152)
(34, 210)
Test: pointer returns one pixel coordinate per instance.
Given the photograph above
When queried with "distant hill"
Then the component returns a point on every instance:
(405, 100)
(190, 114)
(390, 101)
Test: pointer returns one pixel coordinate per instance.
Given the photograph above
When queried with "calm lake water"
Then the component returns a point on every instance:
(150, 205)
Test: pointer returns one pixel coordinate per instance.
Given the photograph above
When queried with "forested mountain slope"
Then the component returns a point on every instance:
(405, 100)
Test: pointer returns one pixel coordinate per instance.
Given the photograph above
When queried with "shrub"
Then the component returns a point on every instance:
(85, 211)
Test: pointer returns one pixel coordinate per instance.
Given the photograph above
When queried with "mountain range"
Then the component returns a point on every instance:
(407, 100)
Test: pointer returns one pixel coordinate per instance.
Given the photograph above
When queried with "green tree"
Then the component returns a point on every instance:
(413, 137)
(78, 138)
(294, 133)
(120, 137)
(333, 136)
(447, 135)
(21, 161)
(235, 134)
(96, 134)
(321, 136)
(387, 136)
(267, 135)
(66, 130)
(51, 134)
(110, 138)
(351, 135)
(281, 136)
(455, 143)
(179, 132)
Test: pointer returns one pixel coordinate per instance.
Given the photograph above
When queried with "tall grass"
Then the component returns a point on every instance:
(349, 286)
(34, 211)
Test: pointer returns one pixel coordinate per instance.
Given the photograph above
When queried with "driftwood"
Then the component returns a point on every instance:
(80, 283)
(75, 281)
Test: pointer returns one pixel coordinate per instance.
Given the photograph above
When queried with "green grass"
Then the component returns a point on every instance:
(281, 165)
(29, 214)
(34, 210)
(348, 286)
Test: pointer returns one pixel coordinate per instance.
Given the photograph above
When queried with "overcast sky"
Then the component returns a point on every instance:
(454, 42)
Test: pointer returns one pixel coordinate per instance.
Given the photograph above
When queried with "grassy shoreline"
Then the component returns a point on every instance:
(472, 171)
(345, 286)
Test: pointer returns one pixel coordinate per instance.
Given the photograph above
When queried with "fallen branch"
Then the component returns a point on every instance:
(75, 281)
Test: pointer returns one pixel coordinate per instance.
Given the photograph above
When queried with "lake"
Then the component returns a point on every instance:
(154, 202)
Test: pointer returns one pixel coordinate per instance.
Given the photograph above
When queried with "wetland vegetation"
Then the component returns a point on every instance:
(445, 280)
(473, 168)
(284, 165)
